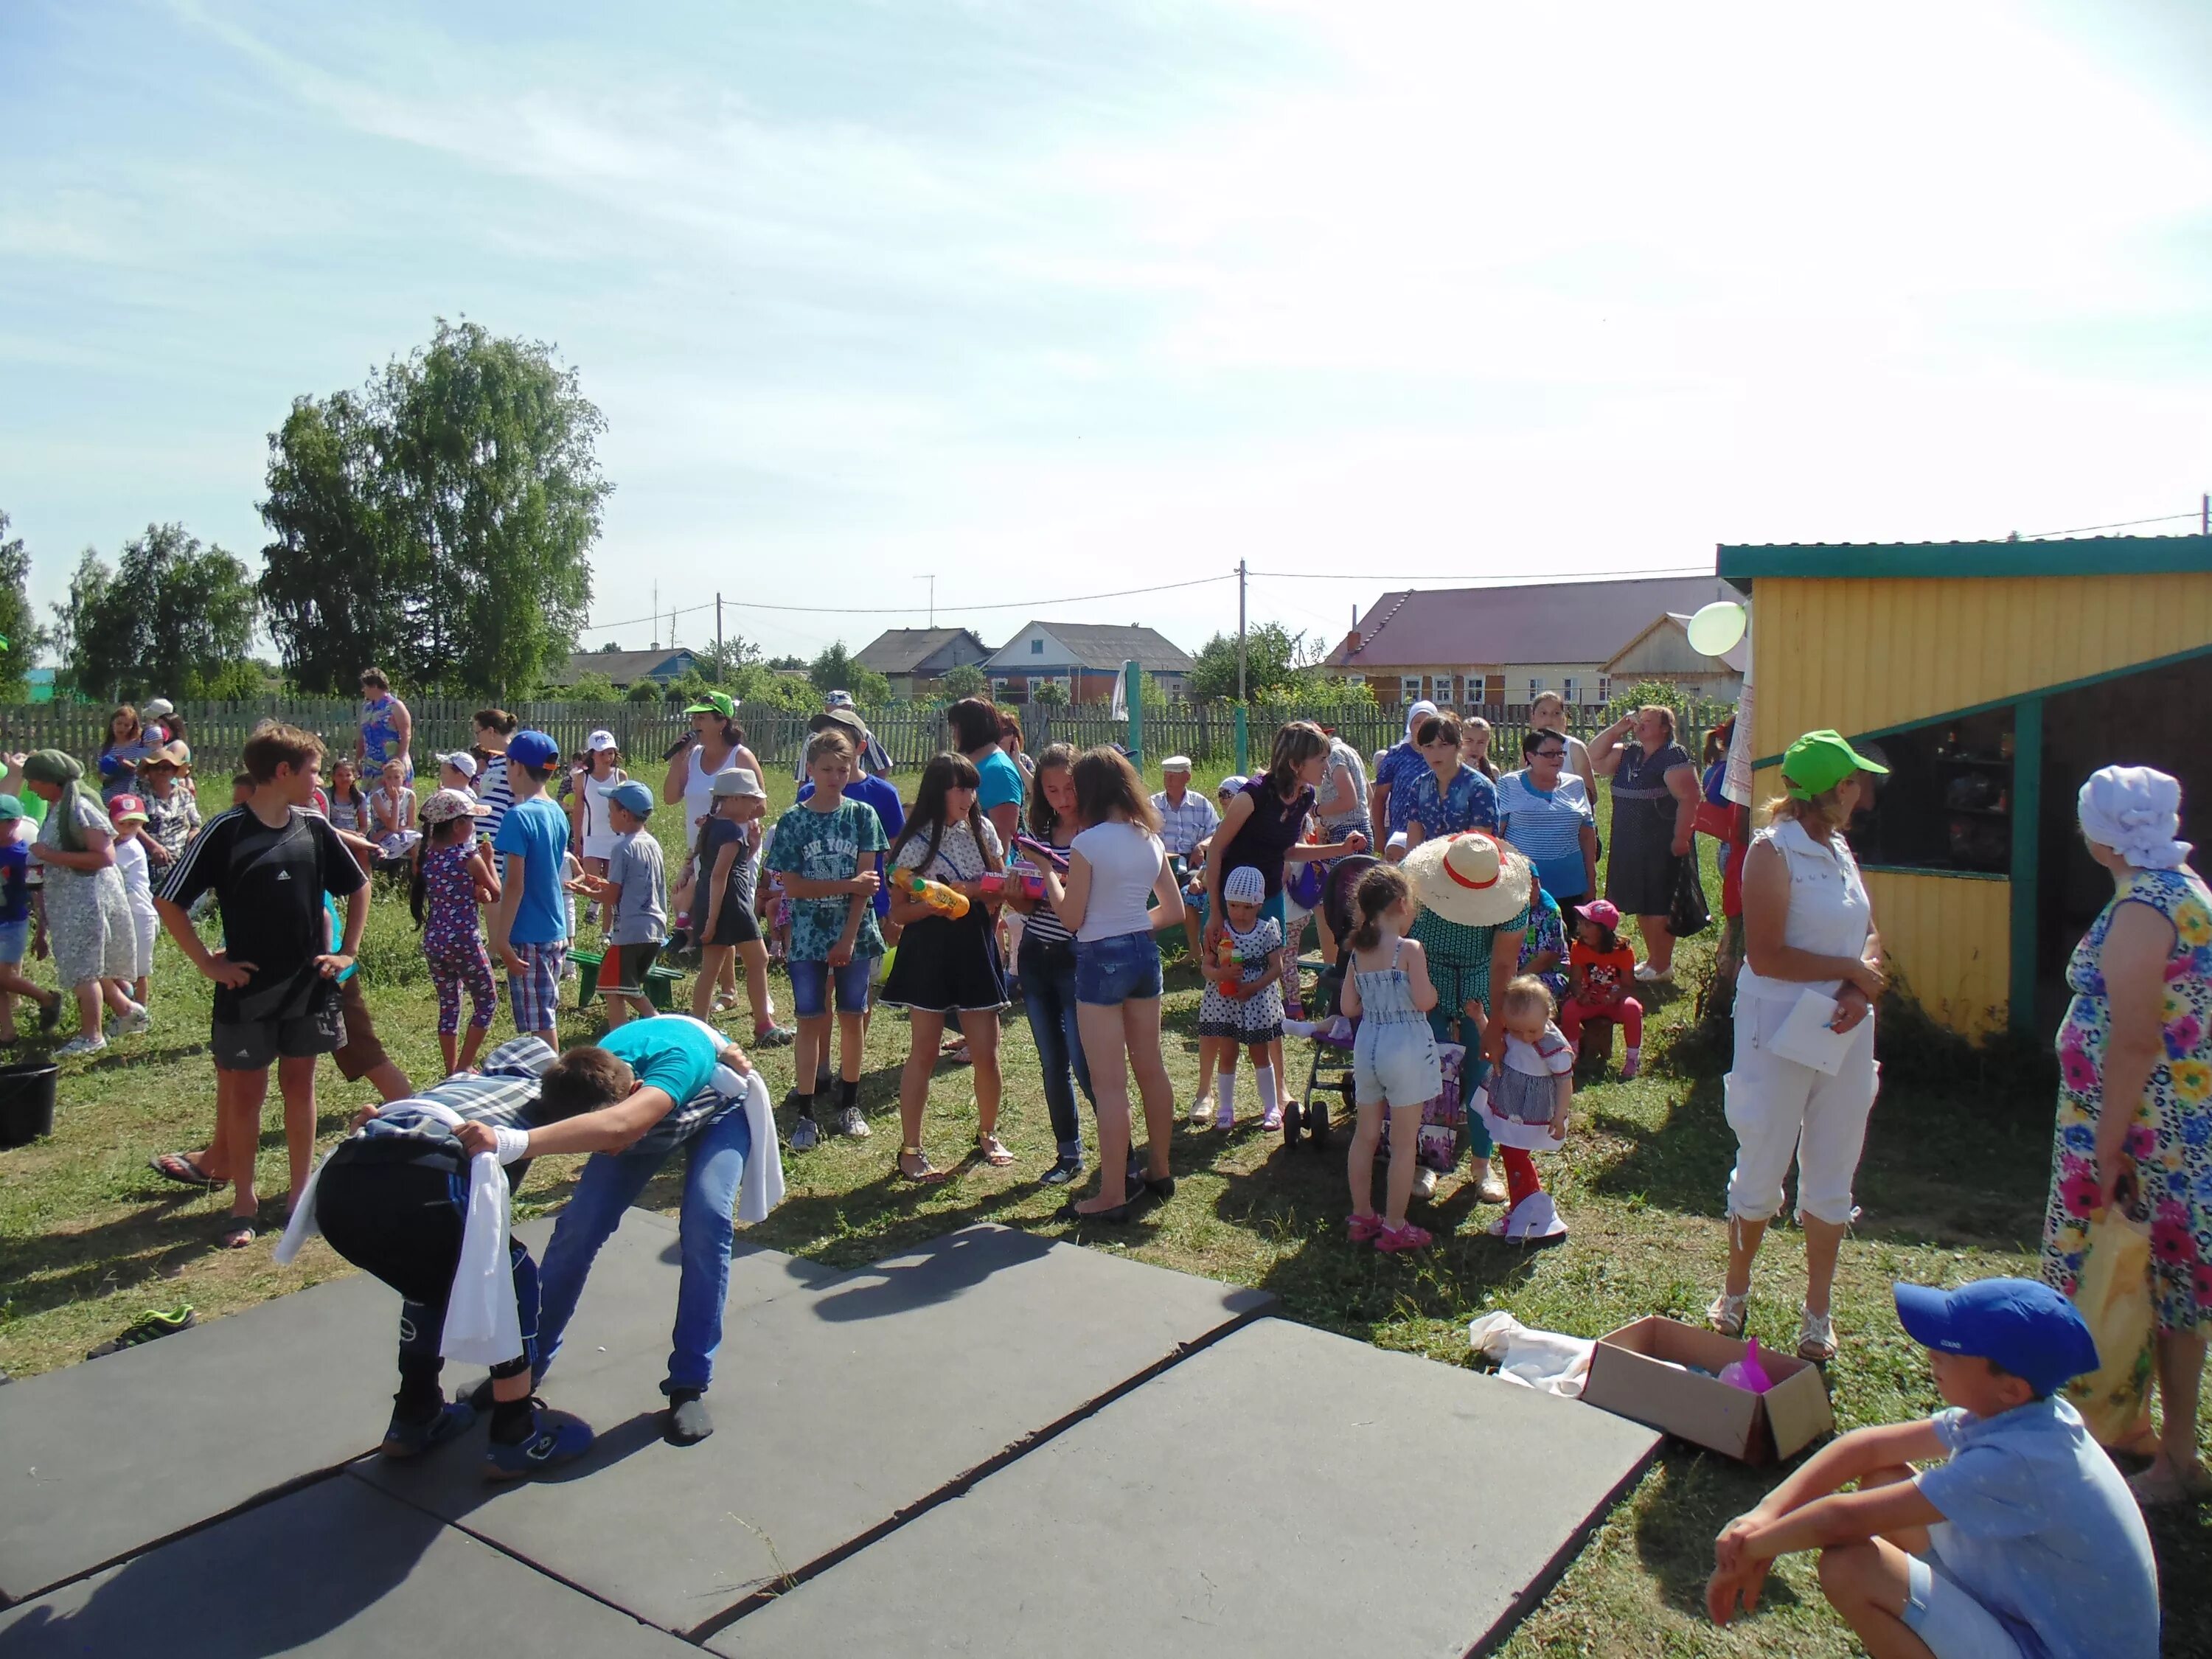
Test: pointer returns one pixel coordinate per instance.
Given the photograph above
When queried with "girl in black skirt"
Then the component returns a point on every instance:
(948, 967)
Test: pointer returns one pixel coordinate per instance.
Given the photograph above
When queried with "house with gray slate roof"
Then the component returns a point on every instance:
(915, 661)
(1084, 658)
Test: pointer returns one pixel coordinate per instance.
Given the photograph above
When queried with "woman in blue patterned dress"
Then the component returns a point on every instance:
(2137, 1039)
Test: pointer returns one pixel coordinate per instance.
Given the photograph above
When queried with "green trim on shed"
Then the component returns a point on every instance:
(2090, 556)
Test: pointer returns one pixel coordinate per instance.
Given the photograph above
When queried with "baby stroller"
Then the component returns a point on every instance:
(1307, 1116)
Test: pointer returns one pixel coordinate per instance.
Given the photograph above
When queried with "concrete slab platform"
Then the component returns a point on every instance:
(837, 1409)
(335, 1570)
(1285, 1492)
(105, 1459)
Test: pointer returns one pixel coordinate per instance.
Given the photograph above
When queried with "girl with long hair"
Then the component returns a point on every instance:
(948, 966)
(1047, 965)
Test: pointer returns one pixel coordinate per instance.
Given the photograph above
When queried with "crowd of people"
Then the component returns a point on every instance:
(1479, 949)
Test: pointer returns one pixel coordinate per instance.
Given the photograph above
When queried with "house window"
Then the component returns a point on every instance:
(1409, 689)
(1535, 690)
(1570, 692)
(1036, 647)
(1605, 688)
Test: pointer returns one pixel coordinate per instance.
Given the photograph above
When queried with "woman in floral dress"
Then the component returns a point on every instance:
(2138, 1035)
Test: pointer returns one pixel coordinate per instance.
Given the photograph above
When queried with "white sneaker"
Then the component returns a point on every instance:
(136, 1024)
(1424, 1182)
(1201, 1112)
(1662, 976)
(80, 1045)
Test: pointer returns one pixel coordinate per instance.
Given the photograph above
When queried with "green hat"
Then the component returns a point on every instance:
(10, 807)
(714, 702)
(1818, 761)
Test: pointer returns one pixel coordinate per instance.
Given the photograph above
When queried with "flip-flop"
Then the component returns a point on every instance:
(179, 1168)
(237, 1234)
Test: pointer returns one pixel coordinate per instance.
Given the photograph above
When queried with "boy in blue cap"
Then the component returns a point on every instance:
(530, 924)
(634, 893)
(2022, 1541)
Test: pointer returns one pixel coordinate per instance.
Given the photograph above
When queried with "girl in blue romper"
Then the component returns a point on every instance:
(1394, 1057)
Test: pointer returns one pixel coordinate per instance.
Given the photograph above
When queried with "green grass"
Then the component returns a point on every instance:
(1952, 1185)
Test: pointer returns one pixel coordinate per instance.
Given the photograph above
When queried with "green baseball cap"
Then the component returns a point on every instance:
(10, 807)
(714, 702)
(1818, 761)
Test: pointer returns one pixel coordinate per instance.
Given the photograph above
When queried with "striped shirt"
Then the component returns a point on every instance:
(505, 1094)
(496, 791)
(1548, 828)
(1042, 924)
(1183, 827)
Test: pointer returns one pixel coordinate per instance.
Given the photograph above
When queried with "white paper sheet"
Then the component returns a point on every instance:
(1807, 1037)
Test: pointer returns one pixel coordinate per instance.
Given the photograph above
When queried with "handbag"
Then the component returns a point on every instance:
(2113, 1298)
(1690, 913)
(1715, 818)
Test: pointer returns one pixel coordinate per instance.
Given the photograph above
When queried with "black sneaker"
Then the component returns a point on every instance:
(555, 1439)
(688, 1421)
(1064, 1171)
(150, 1325)
(806, 1135)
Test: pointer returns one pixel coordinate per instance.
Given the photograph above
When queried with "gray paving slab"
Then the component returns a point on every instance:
(335, 1570)
(837, 1409)
(1284, 1491)
(101, 1460)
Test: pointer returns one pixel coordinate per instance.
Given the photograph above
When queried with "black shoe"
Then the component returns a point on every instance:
(1066, 1170)
(688, 1421)
(1161, 1188)
(1118, 1216)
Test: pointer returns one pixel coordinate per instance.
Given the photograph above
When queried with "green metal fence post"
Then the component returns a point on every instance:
(1243, 742)
(1132, 683)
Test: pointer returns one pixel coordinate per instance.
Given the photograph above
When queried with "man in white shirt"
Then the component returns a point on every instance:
(1186, 819)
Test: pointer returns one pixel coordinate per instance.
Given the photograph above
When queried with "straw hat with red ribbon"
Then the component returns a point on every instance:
(1473, 879)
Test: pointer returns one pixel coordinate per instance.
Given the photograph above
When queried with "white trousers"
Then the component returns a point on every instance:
(1779, 1108)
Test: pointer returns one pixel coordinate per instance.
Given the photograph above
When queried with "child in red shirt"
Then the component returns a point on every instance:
(1600, 971)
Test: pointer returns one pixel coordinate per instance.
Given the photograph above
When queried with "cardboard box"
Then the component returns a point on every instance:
(1627, 1378)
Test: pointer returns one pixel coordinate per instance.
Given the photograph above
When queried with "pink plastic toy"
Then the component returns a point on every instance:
(1748, 1373)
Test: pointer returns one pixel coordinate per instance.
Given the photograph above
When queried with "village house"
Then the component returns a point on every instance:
(915, 661)
(626, 668)
(1083, 659)
(1494, 649)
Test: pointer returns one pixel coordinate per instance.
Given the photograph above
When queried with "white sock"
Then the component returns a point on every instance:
(1225, 1092)
(1265, 1076)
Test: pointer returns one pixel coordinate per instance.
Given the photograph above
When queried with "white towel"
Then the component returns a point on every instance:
(1543, 1360)
(481, 1325)
(760, 1190)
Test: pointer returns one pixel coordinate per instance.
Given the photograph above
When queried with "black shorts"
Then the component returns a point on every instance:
(737, 924)
(622, 970)
(256, 1045)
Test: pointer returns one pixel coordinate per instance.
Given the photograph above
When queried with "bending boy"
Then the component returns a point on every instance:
(632, 1101)
(393, 1199)
(2021, 1543)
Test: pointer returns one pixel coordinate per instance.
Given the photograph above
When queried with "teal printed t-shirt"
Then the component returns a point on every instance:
(827, 847)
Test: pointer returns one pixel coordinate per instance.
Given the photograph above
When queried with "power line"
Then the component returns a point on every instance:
(2125, 524)
(1463, 579)
(908, 609)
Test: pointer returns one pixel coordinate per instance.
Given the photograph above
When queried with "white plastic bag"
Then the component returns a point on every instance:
(1542, 1360)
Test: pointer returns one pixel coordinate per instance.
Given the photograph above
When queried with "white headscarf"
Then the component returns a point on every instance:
(2135, 810)
(1416, 714)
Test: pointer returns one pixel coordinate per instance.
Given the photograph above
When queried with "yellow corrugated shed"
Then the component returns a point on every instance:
(1951, 940)
(1864, 655)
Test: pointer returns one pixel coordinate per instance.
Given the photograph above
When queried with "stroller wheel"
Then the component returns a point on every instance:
(1293, 1121)
(1317, 1120)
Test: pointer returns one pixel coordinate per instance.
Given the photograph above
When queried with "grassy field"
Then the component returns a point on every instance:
(1952, 1187)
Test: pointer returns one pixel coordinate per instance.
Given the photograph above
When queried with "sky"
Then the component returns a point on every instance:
(1054, 298)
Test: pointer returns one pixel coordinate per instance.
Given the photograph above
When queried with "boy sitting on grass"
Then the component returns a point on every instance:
(2022, 1541)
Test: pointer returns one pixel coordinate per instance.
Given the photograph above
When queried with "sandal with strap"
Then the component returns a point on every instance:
(992, 1151)
(179, 1168)
(237, 1233)
(924, 1174)
(1725, 1314)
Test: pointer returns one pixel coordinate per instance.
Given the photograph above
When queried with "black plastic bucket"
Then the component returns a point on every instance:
(27, 1101)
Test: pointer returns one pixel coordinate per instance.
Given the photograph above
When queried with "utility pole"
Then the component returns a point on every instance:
(721, 665)
(1240, 631)
(930, 578)
(2204, 515)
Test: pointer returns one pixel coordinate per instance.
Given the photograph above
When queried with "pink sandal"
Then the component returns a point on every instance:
(1361, 1229)
(1408, 1237)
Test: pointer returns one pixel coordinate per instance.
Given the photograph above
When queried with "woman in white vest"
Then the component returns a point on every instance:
(1808, 928)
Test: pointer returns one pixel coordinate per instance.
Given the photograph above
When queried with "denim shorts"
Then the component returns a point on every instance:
(810, 982)
(14, 939)
(1112, 971)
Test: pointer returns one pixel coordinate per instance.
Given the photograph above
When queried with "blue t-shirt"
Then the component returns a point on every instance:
(14, 882)
(2039, 1528)
(1469, 801)
(1002, 780)
(537, 832)
(881, 794)
(675, 1055)
(1400, 764)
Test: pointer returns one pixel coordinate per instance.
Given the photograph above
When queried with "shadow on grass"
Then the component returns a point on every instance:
(1699, 1493)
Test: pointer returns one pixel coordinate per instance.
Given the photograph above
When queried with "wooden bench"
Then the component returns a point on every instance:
(660, 981)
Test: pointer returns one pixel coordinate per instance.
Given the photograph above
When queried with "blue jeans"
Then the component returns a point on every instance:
(1109, 972)
(1047, 972)
(610, 1184)
(810, 983)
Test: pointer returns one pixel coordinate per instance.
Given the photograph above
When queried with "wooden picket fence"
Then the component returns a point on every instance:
(911, 734)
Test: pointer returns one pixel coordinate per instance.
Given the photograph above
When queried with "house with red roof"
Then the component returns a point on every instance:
(1496, 648)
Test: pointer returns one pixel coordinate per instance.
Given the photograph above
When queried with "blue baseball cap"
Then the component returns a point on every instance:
(532, 749)
(632, 797)
(2020, 1324)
